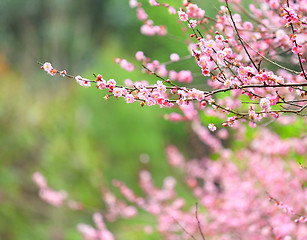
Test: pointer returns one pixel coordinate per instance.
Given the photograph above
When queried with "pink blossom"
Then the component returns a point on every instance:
(161, 30)
(111, 84)
(117, 92)
(274, 4)
(162, 71)
(53, 197)
(128, 82)
(192, 23)
(248, 26)
(141, 14)
(295, 50)
(101, 84)
(265, 104)
(228, 83)
(47, 67)
(148, 30)
(133, 3)
(83, 82)
(129, 98)
(174, 57)
(161, 87)
(129, 212)
(194, 11)
(126, 65)
(173, 75)
(185, 76)
(150, 102)
(172, 10)
(140, 56)
(154, 3)
(87, 231)
(63, 73)
(39, 180)
(212, 127)
(182, 16)
(301, 219)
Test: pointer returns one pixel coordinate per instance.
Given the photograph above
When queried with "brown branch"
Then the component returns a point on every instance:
(158, 76)
(239, 37)
(198, 222)
(184, 229)
(296, 45)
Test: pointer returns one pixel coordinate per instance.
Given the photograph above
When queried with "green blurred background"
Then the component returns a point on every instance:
(79, 141)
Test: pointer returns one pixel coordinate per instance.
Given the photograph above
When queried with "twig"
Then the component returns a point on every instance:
(269, 60)
(198, 222)
(184, 229)
(158, 76)
(296, 45)
(239, 37)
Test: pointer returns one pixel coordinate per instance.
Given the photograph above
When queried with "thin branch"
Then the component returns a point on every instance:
(269, 60)
(239, 37)
(296, 45)
(158, 76)
(184, 229)
(198, 222)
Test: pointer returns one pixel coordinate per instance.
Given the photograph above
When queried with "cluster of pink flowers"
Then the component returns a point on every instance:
(49, 69)
(228, 64)
(51, 196)
(55, 198)
(125, 64)
(98, 233)
(254, 191)
(148, 28)
(236, 203)
(290, 15)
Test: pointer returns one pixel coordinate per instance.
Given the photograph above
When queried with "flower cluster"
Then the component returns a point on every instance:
(234, 203)
(232, 54)
(230, 60)
(55, 198)
(148, 28)
(90, 233)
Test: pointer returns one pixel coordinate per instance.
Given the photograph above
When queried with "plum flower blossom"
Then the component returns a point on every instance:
(228, 83)
(129, 98)
(111, 84)
(82, 82)
(55, 198)
(90, 233)
(139, 55)
(183, 16)
(47, 66)
(49, 69)
(212, 127)
(141, 14)
(174, 57)
(118, 92)
(192, 23)
(133, 3)
(265, 104)
(101, 84)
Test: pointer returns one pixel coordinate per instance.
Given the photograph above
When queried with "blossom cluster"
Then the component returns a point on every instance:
(230, 57)
(90, 233)
(148, 28)
(236, 204)
(51, 196)
(259, 198)
(254, 191)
